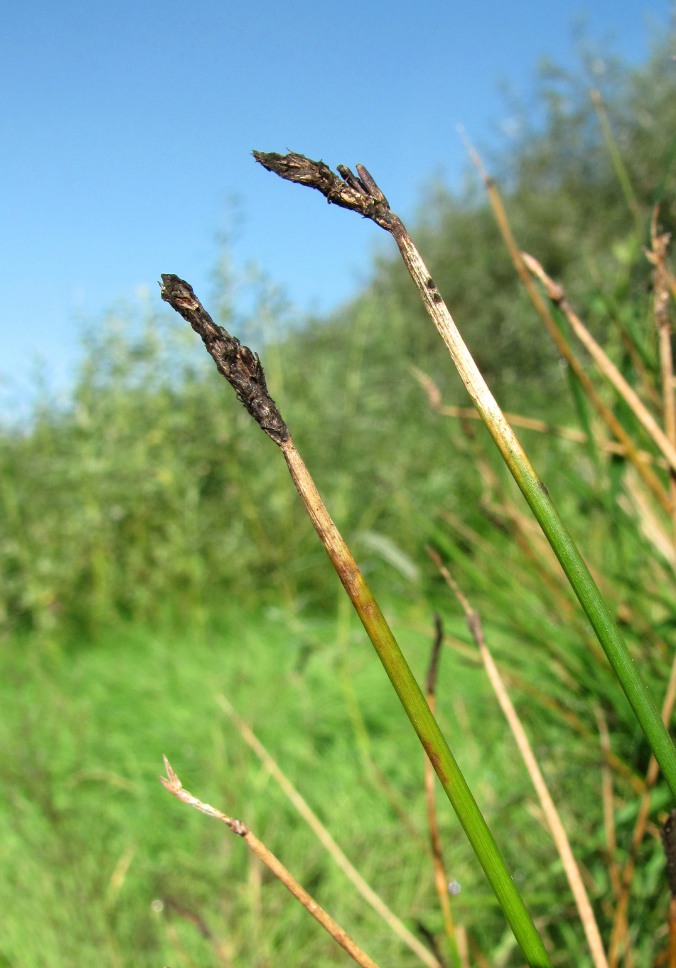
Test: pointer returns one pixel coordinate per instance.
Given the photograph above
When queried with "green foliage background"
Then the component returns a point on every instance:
(110, 502)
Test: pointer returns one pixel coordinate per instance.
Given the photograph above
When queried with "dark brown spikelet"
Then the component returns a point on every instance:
(239, 365)
(359, 192)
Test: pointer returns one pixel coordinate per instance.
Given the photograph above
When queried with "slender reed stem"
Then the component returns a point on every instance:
(542, 506)
(634, 455)
(554, 822)
(441, 881)
(243, 370)
(606, 366)
(174, 785)
(417, 710)
(657, 256)
(323, 835)
(360, 193)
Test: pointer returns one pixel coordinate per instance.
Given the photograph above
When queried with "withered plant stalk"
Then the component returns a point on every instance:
(243, 370)
(173, 785)
(361, 194)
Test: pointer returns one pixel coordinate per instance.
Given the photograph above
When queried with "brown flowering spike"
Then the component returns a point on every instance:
(239, 365)
(357, 192)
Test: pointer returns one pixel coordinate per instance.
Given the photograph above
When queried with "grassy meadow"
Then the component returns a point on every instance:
(156, 561)
(103, 865)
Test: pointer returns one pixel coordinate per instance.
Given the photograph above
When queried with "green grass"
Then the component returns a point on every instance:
(90, 839)
(142, 515)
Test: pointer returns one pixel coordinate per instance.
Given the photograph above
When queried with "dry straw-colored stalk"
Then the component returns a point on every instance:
(552, 817)
(525, 423)
(620, 930)
(455, 934)
(243, 370)
(604, 364)
(174, 785)
(662, 295)
(633, 453)
(314, 823)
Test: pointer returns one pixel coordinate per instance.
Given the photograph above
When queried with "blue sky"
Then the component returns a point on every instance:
(126, 132)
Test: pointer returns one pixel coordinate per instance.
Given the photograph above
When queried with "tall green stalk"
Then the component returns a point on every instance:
(360, 193)
(244, 372)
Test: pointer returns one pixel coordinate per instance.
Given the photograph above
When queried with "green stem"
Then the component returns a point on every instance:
(244, 372)
(601, 620)
(543, 508)
(419, 713)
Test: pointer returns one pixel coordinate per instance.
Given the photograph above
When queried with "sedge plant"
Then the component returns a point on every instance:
(243, 370)
(361, 194)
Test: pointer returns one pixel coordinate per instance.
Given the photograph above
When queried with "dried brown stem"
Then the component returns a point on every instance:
(558, 296)
(323, 835)
(174, 785)
(528, 423)
(552, 817)
(657, 256)
(607, 799)
(441, 879)
(605, 413)
(620, 929)
(239, 365)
